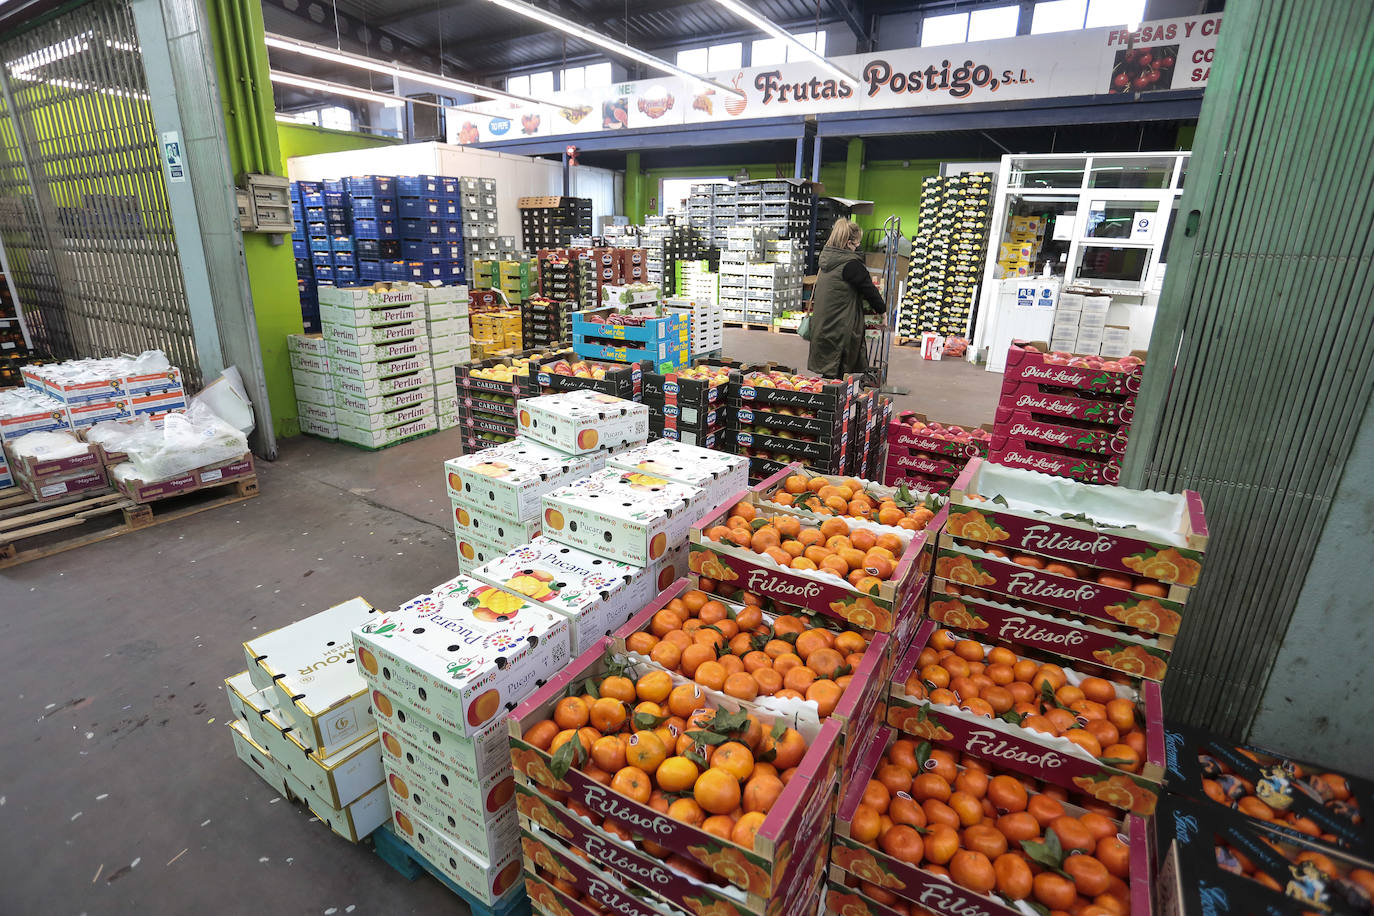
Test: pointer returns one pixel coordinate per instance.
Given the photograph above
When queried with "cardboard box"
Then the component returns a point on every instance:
(582, 421)
(378, 423)
(375, 352)
(251, 704)
(463, 652)
(716, 474)
(309, 665)
(510, 479)
(381, 369)
(480, 762)
(472, 523)
(355, 820)
(380, 335)
(490, 834)
(210, 475)
(258, 759)
(371, 388)
(486, 880)
(621, 515)
(383, 403)
(307, 343)
(380, 438)
(597, 595)
(58, 486)
(88, 413)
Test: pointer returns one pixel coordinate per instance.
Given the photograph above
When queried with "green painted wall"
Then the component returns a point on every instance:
(304, 140)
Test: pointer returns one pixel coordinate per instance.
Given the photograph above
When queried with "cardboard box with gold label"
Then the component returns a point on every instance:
(624, 515)
(464, 654)
(583, 421)
(510, 478)
(311, 667)
(353, 821)
(258, 758)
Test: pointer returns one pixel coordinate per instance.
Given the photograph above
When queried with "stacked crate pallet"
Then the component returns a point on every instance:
(928, 455)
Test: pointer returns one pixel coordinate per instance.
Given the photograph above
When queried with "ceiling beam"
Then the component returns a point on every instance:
(369, 37)
(851, 11)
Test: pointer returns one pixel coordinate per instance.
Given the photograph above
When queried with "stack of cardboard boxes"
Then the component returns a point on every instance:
(303, 720)
(1080, 326)
(1017, 256)
(450, 345)
(947, 255)
(477, 197)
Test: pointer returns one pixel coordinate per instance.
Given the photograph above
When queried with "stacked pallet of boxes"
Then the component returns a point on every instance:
(668, 246)
(784, 206)
(1063, 414)
(380, 373)
(516, 279)
(705, 325)
(309, 355)
(776, 417)
(743, 245)
(689, 406)
(450, 345)
(544, 321)
(443, 670)
(701, 211)
(303, 720)
(487, 392)
(828, 210)
(927, 455)
(1020, 253)
(867, 431)
(552, 222)
(611, 336)
(787, 256)
(1081, 328)
(494, 330)
(619, 267)
(948, 249)
(697, 280)
(477, 199)
(567, 275)
(372, 206)
(431, 228)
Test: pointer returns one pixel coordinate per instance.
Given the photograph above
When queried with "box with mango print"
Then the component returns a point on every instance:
(1049, 757)
(652, 850)
(583, 421)
(922, 890)
(884, 607)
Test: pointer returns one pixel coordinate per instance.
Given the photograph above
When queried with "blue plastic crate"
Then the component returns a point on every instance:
(301, 247)
(416, 250)
(341, 243)
(448, 185)
(314, 214)
(337, 229)
(453, 229)
(319, 243)
(294, 189)
(450, 208)
(418, 208)
(452, 251)
(309, 187)
(322, 259)
(333, 184)
(339, 214)
(371, 185)
(456, 272)
(421, 229)
(345, 259)
(324, 274)
(369, 269)
(345, 276)
(393, 270)
(417, 185)
(317, 230)
(389, 249)
(335, 198)
(312, 199)
(370, 249)
(303, 264)
(374, 207)
(297, 211)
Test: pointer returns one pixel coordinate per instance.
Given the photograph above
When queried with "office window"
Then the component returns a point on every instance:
(588, 77)
(541, 83)
(944, 30)
(694, 60)
(1058, 16)
(518, 84)
(768, 52)
(728, 56)
(997, 22)
(1103, 13)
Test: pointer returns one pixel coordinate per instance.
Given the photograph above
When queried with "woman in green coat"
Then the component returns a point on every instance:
(837, 305)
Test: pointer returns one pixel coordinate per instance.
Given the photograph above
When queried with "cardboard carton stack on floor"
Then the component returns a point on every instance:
(450, 345)
(302, 720)
(444, 669)
(114, 388)
(55, 464)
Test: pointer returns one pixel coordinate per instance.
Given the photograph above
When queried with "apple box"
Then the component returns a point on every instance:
(596, 594)
(631, 516)
(509, 479)
(485, 879)
(258, 758)
(310, 666)
(716, 474)
(462, 654)
(583, 421)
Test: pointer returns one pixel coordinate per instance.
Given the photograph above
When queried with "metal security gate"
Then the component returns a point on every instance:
(83, 201)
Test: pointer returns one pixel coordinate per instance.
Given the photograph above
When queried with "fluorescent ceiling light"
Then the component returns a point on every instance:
(610, 44)
(367, 95)
(767, 25)
(363, 62)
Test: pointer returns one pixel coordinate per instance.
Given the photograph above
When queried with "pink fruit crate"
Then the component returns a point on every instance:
(1015, 452)
(1033, 362)
(1078, 437)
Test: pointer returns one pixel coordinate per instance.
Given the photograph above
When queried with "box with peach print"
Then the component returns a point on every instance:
(1082, 732)
(817, 496)
(510, 478)
(839, 673)
(917, 832)
(583, 421)
(481, 761)
(1075, 641)
(477, 524)
(850, 569)
(755, 792)
(476, 801)
(461, 654)
(625, 515)
(490, 834)
(487, 880)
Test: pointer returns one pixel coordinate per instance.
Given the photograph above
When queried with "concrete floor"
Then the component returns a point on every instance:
(119, 788)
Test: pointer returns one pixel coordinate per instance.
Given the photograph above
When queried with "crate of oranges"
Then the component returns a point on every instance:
(771, 660)
(1087, 734)
(814, 495)
(853, 570)
(1085, 645)
(1216, 861)
(632, 759)
(924, 830)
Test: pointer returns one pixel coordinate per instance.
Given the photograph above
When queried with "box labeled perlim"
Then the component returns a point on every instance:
(583, 421)
(463, 654)
(310, 666)
(625, 515)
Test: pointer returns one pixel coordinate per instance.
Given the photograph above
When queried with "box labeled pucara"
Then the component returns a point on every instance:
(464, 653)
(486, 880)
(478, 761)
(596, 594)
(717, 474)
(583, 421)
(489, 834)
(510, 478)
(625, 515)
(309, 665)
(484, 525)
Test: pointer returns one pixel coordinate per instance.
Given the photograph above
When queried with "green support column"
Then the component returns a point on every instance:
(853, 168)
(634, 189)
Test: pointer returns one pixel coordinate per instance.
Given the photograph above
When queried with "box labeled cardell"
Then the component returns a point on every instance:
(309, 665)
(626, 515)
(463, 654)
(583, 421)
(717, 474)
(596, 594)
(510, 478)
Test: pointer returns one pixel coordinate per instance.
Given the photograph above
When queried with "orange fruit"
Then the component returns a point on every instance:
(826, 694)
(798, 678)
(877, 796)
(1115, 580)
(833, 526)
(929, 785)
(746, 828)
(1097, 689)
(769, 681)
(941, 843)
(665, 621)
(710, 674)
(1014, 877)
(1044, 809)
(1089, 875)
(973, 870)
(986, 839)
(972, 782)
(905, 810)
(541, 733)
(1124, 756)
(1115, 855)
(1054, 891)
(687, 811)
(676, 774)
(632, 782)
(645, 750)
(719, 825)
(609, 753)
(761, 791)
(717, 791)
(642, 642)
(969, 809)
(733, 757)
(1072, 834)
(903, 842)
(608, 715)
(1018, 826)
(809, 537)
(744, 510)
(571, 712)
(1007, 794)
(863, 826)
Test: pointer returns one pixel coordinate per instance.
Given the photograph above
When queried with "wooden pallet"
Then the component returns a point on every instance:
(31, 530)
(401, 856)
(749, 325)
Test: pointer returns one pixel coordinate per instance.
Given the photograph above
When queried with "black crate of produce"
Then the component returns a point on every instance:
(562, 374)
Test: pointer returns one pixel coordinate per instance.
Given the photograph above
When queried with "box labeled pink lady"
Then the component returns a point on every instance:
(464, 653)
(583, 421)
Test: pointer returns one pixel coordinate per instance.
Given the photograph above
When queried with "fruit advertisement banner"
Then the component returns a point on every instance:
(1167, 54)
